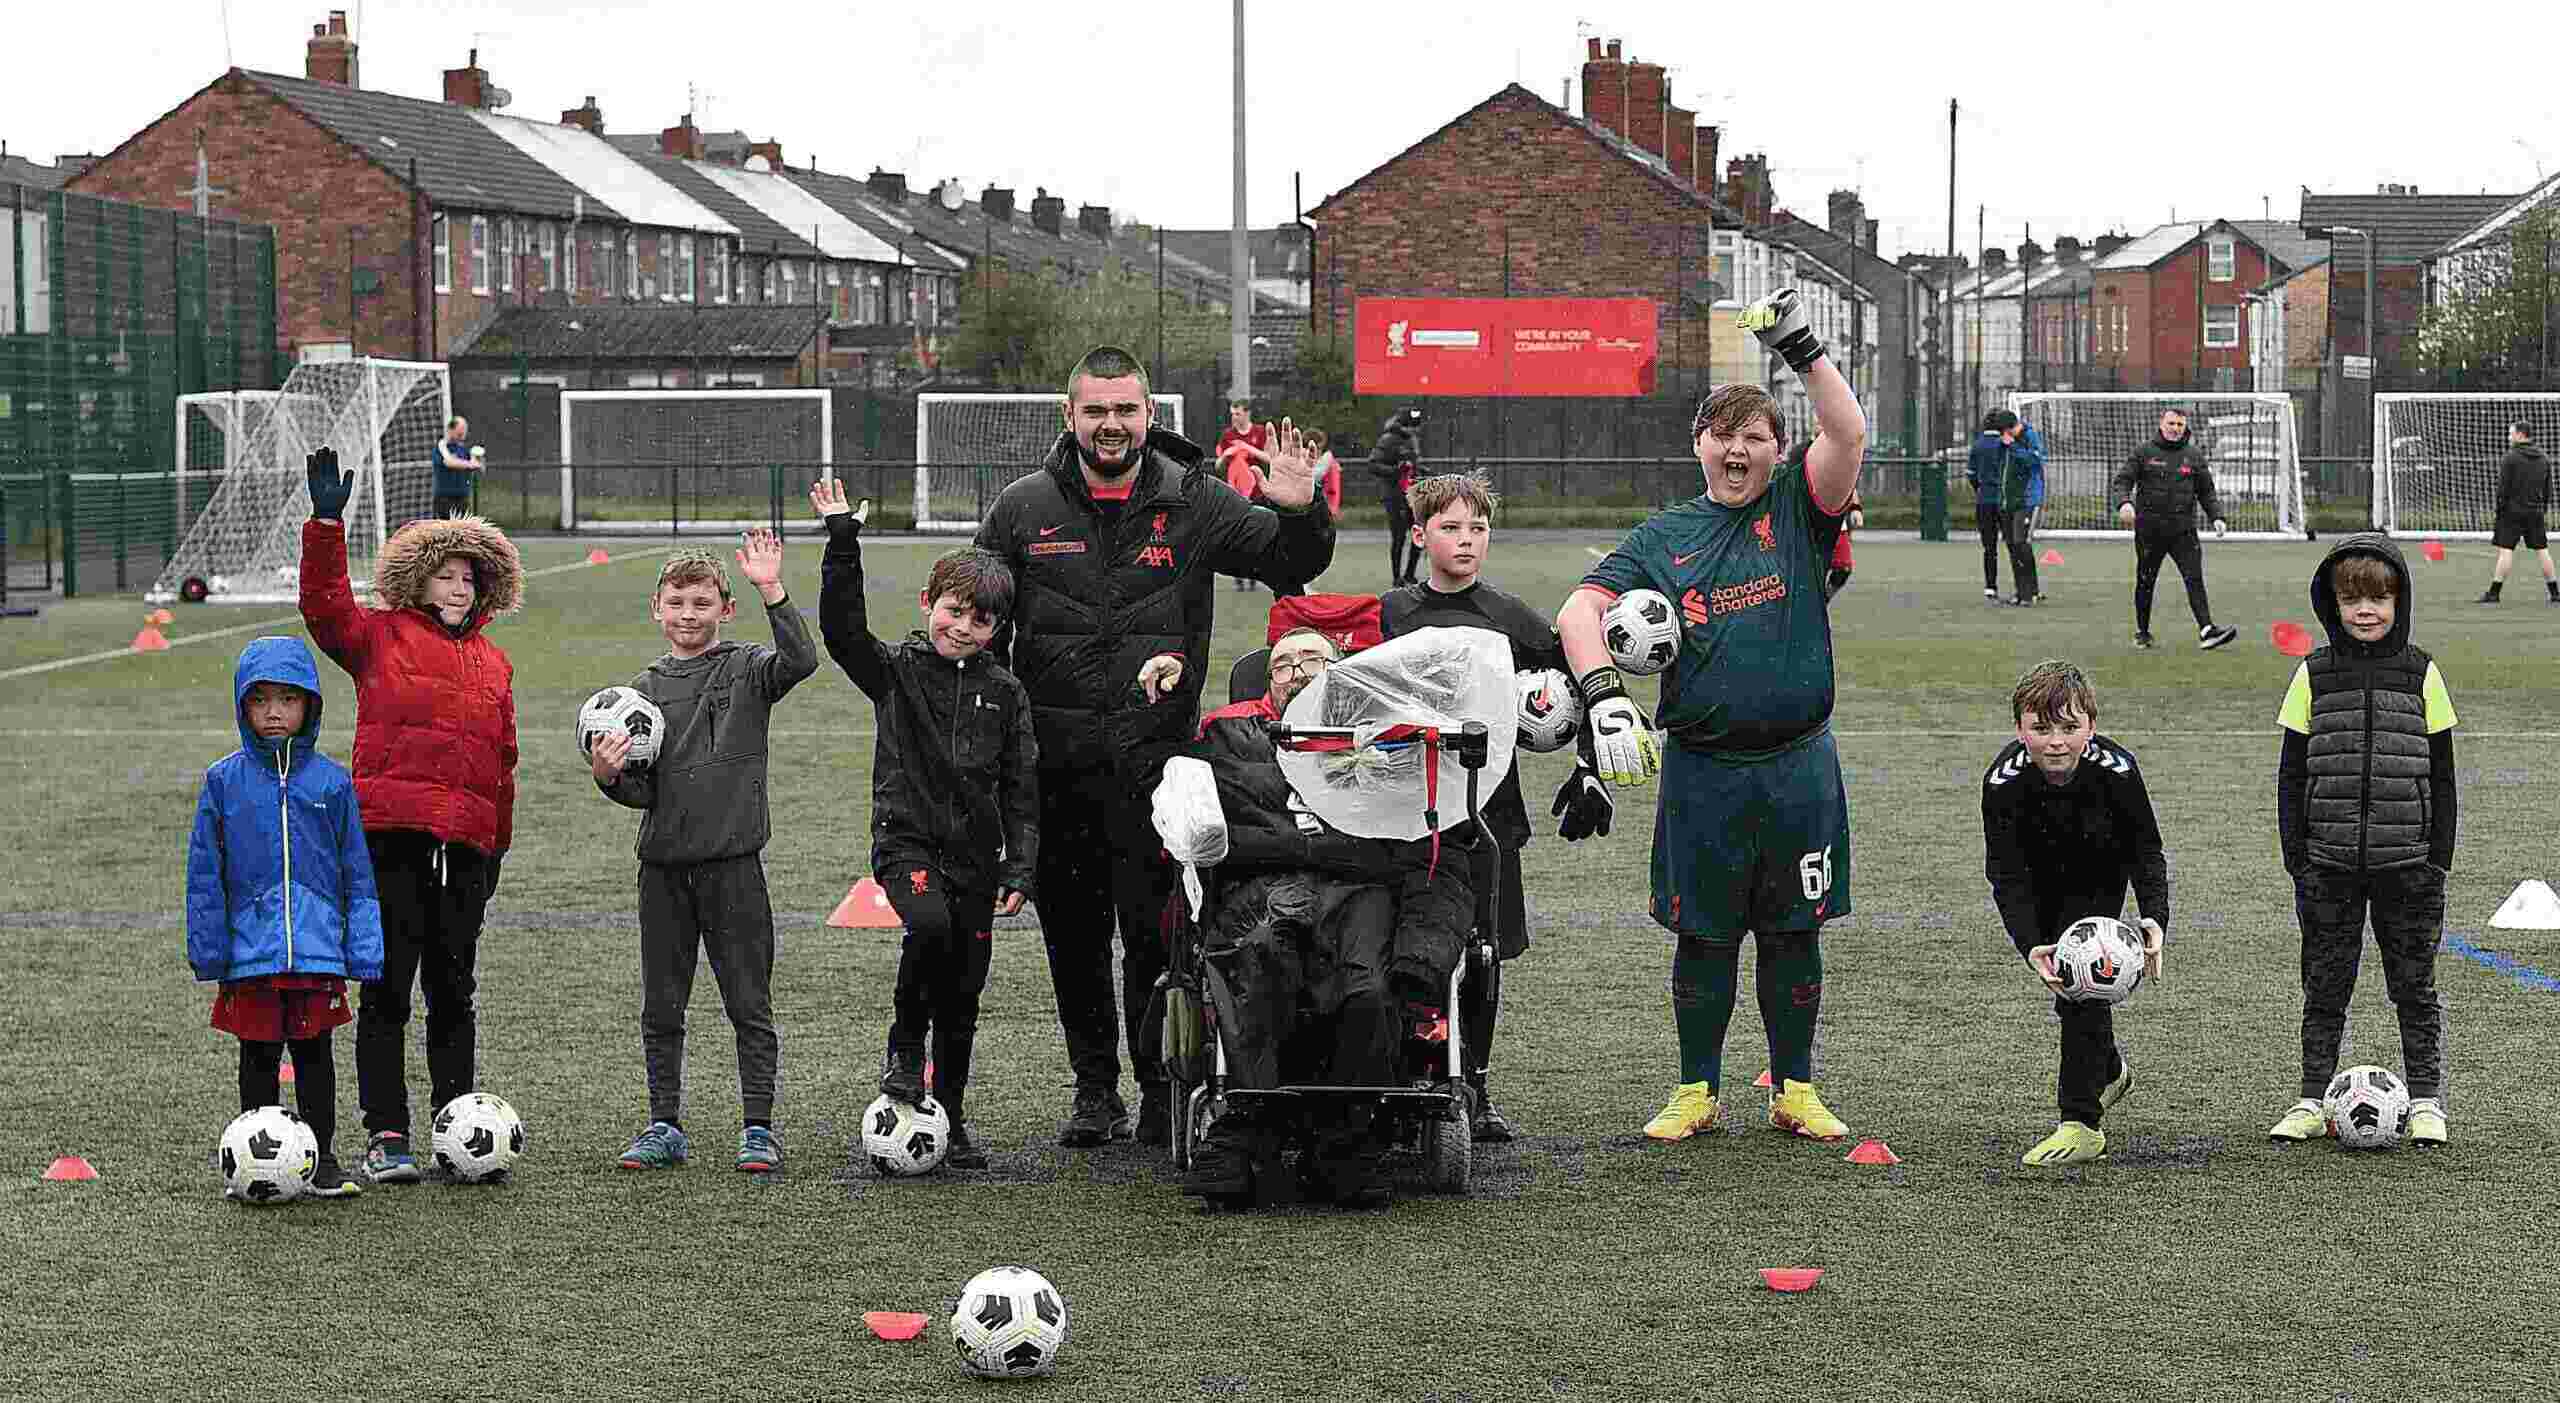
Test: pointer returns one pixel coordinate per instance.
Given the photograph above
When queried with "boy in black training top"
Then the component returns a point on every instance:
(1453, 527)
(2066, 825)
(955, 796)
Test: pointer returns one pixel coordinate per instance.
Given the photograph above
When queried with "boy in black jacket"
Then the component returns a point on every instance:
(955, 796)
(1453, 526)
(702, 835)
(2066, 825)
(2365, 808)
(2524, 497)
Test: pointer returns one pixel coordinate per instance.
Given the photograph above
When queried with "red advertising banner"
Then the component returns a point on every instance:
(1504, 346)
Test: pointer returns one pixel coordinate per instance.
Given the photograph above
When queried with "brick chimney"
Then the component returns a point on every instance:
(330, 57)
(1748, 190)
(1048, 212)
(1995, 261)
(770, 150)
(1095, 220)
(1702, 169)
(996, 202)
(1644, 114)
(1681, 132)
(682, 141)
(2109, 243)
(1873, 226)
(887, 185)
(1847, 213)
(1604, 88)
(467, 86)
(2066, 250)
(589, 119)
(2031, 254)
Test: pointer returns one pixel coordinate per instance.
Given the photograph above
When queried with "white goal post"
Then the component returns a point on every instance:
(2436, 458)
(632, 444)
(969, 447)
(243, 455)
(2250, 440)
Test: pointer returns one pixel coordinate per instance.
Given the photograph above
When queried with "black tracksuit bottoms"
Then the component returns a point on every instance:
(2149, 549)
(942, 969)
(433, 896)
(722, 907)
(1101, 867)
(2090, 1058)
(315, 1083)
(2407, 907)
(1403, 557)
(1992, 523)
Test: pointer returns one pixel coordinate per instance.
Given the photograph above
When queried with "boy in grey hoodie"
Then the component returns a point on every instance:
(703, 834)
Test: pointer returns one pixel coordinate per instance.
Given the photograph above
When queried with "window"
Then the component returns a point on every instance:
(569, 262)
(1722, 265)
(2221, 326)
(871, 292)
(2221, 260)
(630, 265)
(790, 280)
(507, 235)
(716, 269)
(684, 269)
(666, 281)
(480, 254)
(444, 255)
(550, 257)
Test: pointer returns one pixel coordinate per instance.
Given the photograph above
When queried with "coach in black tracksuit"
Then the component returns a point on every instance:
(1395, 460)
(1105, 580)
(2158, 490)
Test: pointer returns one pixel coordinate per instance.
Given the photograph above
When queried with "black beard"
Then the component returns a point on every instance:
(1128, 459)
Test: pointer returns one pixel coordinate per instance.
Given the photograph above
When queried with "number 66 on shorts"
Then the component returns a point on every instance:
(1751, 842)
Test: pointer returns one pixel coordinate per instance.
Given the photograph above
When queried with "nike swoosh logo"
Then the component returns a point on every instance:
(1684, 559)
(1049, 530)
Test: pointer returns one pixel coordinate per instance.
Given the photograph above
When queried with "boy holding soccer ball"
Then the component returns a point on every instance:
(703, 827)
(2066, 826)
(2365, 807)
(955, 796)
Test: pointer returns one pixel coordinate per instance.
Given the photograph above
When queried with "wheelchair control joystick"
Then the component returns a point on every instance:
(1470, 744)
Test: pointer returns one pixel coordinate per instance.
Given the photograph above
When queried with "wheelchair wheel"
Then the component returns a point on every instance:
(1200, 1110)
(1448, 1152)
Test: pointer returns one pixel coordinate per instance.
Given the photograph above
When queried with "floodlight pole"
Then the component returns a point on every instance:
(1240, 294)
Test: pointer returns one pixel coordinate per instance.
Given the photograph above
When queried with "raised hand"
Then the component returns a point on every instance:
(760, 562)
(826, 498)
(1779, 321)
(1292, 481)
(330, 489)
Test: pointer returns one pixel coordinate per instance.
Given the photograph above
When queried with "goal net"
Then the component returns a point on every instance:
(970, 447)
(2249, 440)
(243, 486)
(2435, 458)
(668, 460)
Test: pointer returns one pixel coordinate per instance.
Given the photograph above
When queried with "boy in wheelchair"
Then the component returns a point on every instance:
(1319, 952)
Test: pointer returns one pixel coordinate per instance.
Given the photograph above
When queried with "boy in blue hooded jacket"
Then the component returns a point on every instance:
(280, 898)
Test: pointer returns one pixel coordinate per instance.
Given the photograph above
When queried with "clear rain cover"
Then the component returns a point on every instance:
(1443, 677)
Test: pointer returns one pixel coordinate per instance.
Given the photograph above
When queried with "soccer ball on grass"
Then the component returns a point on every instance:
(1010, 1324)
(1550, 712)
(268, 1155)
(1642, 632)
(2368, 1108)
(621, 711)
(2100, 961)
(477, 1137)
(902, 1140)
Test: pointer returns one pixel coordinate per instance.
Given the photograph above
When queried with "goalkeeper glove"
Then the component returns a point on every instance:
(1623, 745)
(1779, 321)
(330, 489)
(1583, 805)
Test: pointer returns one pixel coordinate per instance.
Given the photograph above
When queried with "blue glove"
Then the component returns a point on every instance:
(330, 489)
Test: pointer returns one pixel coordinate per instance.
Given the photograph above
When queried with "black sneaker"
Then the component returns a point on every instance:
(2491, 597)
(1488, 1125)
(2216, 635)
(2022, 602)
(330, 1181)
(1155, 1116)
(2143, 640)
(1221, 1171)
(963, 1152)
(902, 1075)
(1096, 1118)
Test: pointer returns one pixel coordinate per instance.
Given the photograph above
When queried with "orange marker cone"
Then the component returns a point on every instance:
(894, 1324)
(70, 1169)
(865, 907)
(2290, 638)
(1874, 1152)
(2050, 557)
(162, 616)
(1791, 1278)
(1763, 1080)
(598, 557)
(150, 640)
(2432, 550)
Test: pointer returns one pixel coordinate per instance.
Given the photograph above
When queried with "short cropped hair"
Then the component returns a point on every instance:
(1728, 407)
(693, 567)
(2177, 409)
(1331, 648)
(1239, 403)
(1317, 441)
(1441, 491)
(2051, 688)
(2361, 576)
(979, 576)
(1999, 421)
(1107, 363)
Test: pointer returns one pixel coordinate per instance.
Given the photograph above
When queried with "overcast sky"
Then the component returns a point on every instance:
(2079, 119)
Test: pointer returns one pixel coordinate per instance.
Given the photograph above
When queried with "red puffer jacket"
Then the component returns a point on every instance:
(435, 708)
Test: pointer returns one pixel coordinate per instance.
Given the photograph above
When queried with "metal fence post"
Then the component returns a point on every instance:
(70, 538)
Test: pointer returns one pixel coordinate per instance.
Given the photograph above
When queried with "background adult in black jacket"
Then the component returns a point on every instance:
(1116, 545)
(2524, 495)
(2158, 490)
(1396, 461)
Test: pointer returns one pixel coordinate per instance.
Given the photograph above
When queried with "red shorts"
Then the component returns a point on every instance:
(282, 1008)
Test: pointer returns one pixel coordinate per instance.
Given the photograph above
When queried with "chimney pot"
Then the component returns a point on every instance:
(1095, 220)
(1594, 55)
(1048, 213)
(330, 56)
(888, 185)
(1613, 50)
(996, 202)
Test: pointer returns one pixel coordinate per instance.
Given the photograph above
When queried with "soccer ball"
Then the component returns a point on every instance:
(1642, 632)
(621, 711)
(1550, 712)
(1010, 1324)
(477, 1137)
(905, 1140)
(2368, 1107)
(268, 1156)
(2100, 961)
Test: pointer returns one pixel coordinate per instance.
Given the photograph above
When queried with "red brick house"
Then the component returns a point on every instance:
(2170, 310)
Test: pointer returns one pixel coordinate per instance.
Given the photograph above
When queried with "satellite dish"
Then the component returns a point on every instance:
(949, 195)
(759, 163)
(500, 97)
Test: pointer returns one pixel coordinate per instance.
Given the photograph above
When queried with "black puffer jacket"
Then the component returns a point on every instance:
(1095, 599)
(1396, 459)
(2524, 481)
(2369, 787)
(2166, 482)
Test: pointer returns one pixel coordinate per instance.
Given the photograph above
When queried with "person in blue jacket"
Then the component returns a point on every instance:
(2006, 468)
(281, 908)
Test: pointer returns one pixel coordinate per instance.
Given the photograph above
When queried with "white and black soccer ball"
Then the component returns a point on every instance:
(1010, 1324)
(477, 1137)
(1642, 632)
(622, 711)
(902, 1140)
(2100, 960)
(1550, 711)
(268, 1155)
(2368, 1108)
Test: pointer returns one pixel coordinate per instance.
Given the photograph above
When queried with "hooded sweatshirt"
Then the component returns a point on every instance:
(2365, 781)
(2524, 481)
(278, 877)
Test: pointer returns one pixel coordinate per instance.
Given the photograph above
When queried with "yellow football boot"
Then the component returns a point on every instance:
(1798, 1107)
(1692, 1109)
(2426, 1121)
(2306, 1121)
(2070, 1143)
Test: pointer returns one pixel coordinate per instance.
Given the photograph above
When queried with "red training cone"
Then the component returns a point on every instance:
(2432, 550)
(284, 1074)
(1762, 1080)
(70, 1169)
(894, 1324)
(2050, 557)
(598, 557)
(2290, 638)
(865, 907)
(150, 640)
(1874, 1152)
(163, 616)
(1791, 1278)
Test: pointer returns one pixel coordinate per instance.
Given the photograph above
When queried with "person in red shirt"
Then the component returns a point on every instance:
(1243, 452)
